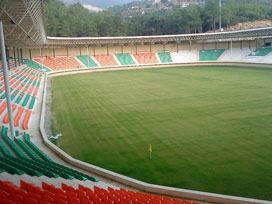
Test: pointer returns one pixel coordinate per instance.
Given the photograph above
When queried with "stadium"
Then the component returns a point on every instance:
(162, 119)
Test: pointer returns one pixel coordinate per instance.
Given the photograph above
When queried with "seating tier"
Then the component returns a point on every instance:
(60, 63)
(106, 60)
(210, 55)
(125, 59)
(146, 58)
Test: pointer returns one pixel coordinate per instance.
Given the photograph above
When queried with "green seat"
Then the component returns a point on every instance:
(27, 149)
(5, 150)
(11, 143)
(87, 61)
(210, 55)
(261, 51)
(26, 100)
(165, 57)
(32, 102)
(41, 154)
(125, 59)
(10, 169)
(35, 65)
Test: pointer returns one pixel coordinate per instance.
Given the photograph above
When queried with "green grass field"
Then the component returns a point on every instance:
(210, 127)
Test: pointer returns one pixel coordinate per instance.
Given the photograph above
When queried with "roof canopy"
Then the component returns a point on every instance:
(24, 26)
(218, 36)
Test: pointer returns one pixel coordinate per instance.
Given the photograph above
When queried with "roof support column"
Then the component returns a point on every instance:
(231, 47)
(30, 55)
(177, 47)
(6, 80)
(241, 45)
(80, 51)
(7, 53)
(14, 57)
(249, 44)
(256, 44)
(136, 49)
(54, 53)
(88, 56)
(21, 53)
(67, 52)
(18, 56)
(108, 50)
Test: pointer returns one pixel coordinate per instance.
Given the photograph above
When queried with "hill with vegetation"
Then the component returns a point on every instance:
(103, 4)
(75, 20)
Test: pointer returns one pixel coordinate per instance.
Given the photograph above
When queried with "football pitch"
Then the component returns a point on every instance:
(210, 127)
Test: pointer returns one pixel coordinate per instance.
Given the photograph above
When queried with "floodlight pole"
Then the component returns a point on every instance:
(220, 17)
(6, 80)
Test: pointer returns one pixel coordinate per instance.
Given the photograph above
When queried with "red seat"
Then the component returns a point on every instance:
(34, 196)
(60, 196)
(16, 198)
(43, 202)
(48, 194)
(4, 195)
(45, 186)
(6, 201)
(85, 201)
(30, 201)
(70, 193)
(47, 199)
(72, 199)
(60, 201)
(60, 191)
(21, 192)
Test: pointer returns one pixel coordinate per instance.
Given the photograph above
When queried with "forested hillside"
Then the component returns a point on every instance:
(75, 20)
(104, 4)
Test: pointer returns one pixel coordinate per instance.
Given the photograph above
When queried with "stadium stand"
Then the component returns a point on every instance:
(165, 57)
(35, 65)
(267, 58)
(125, 59)
(146, 58)
(236, 54)
(60, 63)
(261, 51)
(33, 194)
(106, 60)
(210, 55)
(87, 61)
(22, 80)
(31, 160)
(185, 56)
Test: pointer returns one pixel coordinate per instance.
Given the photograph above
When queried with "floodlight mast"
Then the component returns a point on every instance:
(220, 15)
(6, 80)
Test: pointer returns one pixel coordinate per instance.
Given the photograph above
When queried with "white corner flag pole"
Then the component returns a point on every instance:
(7, 89)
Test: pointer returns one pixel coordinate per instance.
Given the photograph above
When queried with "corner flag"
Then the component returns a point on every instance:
(150, 151)
(150, 148)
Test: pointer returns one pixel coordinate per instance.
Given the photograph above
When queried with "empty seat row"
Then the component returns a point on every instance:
(32, 161)
(49, 194)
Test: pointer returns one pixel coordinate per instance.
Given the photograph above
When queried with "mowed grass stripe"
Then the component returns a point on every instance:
(210, 127)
